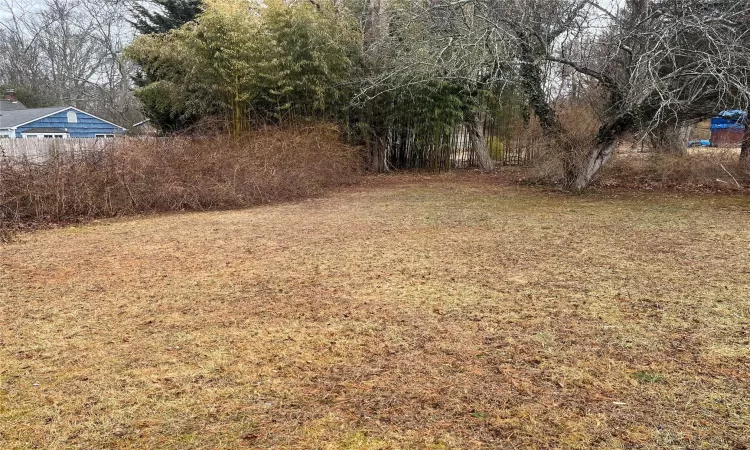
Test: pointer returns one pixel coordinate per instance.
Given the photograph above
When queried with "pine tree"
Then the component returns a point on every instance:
(170, 14)
(167, 16)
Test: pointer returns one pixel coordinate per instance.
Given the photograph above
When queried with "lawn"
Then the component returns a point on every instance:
(452, 312)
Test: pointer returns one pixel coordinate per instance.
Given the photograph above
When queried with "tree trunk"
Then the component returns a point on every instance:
(377, 155)
(375, 31)
(597, 158)
(606, 142)
(479, 144)
(745, 151)
(668, 139)
(532, 83)
(376, 27)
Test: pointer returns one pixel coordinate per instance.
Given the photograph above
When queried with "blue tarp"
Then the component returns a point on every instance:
(700, 143)
(736, 115)
(733, 119)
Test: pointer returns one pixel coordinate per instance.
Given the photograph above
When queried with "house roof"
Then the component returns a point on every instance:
(14, 119)
(11, 119)
(5, 105)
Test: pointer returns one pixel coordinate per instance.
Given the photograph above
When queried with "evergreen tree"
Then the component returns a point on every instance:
(166, 113)
(171, 14)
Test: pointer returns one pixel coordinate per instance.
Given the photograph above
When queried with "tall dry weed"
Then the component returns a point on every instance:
(700, 169)
(182, 173)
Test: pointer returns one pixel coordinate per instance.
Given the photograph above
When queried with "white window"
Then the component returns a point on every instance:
(104, 136)
(72, 117)
(45, 135)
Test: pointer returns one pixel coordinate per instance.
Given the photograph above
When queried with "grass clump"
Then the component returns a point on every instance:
(648, 377)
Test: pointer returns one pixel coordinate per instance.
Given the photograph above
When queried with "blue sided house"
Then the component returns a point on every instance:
(62, 122)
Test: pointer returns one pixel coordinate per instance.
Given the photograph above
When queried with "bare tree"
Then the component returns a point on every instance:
(745, 150)
(113, 33)
(672, 62)
(660, 64)
(20, 52)
(71, 51)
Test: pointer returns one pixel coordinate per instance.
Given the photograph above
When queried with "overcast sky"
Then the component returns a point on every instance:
(17, 6)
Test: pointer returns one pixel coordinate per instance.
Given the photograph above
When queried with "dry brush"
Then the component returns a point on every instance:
(182, 173)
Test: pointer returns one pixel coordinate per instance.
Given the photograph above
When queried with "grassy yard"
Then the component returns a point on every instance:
(444, 313)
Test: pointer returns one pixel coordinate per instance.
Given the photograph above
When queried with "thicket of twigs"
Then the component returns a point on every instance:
(139, 176)
(699, 169)
(579, 124)
(704, 169)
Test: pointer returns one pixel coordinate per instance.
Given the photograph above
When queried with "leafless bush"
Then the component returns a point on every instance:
(699, 169)
(174, 174)
(578, 124)
(703, 169)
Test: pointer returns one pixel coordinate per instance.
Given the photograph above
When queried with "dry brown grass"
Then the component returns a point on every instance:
(453, 314)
